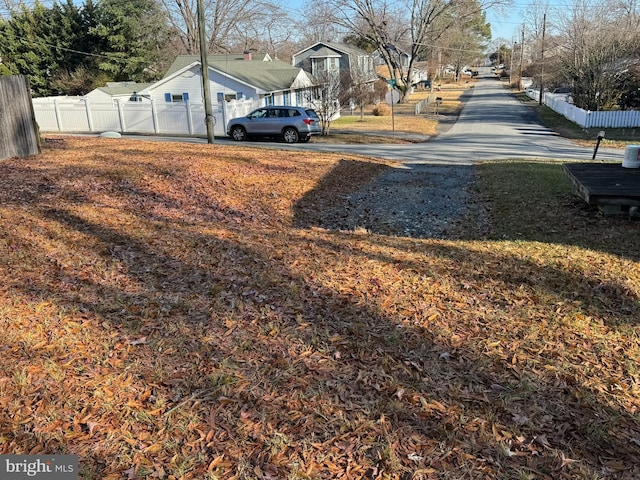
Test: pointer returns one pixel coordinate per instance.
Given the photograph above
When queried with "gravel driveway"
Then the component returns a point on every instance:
(420, 201)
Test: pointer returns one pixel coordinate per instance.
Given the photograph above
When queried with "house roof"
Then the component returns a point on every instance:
(336, 47)
(122, 88)
(182, 61)
(263, 73)
(325, 52)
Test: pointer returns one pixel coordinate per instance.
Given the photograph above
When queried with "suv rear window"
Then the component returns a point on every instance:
(312, 113)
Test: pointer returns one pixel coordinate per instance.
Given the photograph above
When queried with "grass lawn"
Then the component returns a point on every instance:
(163, 318)
(403, 119)
(614, 137)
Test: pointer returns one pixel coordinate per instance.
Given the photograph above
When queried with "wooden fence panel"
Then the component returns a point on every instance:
(18, 129)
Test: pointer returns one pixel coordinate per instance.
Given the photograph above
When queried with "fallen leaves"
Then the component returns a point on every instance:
(163, 319)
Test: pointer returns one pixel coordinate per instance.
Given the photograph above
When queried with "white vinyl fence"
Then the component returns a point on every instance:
(78, 115)
(585, 118)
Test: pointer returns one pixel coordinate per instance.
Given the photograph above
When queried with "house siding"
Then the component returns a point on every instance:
(349, 59)
(98, 96)
(190, 82)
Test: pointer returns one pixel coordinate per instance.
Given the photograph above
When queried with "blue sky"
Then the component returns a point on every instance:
(505, 25)
(508, 24)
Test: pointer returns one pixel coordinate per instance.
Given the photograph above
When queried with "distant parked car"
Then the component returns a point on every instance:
(292, 124)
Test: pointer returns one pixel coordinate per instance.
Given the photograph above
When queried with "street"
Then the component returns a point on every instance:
(492, 125)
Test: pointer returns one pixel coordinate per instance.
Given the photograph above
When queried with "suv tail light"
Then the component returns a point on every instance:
(308, 121)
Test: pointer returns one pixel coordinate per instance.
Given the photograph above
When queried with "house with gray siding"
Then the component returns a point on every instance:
(324, 57)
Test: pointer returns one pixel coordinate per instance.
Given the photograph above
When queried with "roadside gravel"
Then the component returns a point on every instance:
(418, 200)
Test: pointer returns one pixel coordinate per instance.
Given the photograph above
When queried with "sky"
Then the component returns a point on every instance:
(506, 25)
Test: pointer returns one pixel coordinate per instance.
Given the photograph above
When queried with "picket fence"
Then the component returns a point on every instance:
(79, 115)
(584, 118)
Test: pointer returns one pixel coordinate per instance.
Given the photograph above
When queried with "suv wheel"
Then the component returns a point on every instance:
(238, 133)
(290, 135)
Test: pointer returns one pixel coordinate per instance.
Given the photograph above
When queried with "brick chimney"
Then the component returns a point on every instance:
(247, 55)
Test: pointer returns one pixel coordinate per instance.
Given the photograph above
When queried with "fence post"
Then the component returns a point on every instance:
(187, 105)
(88, 110)
(154, 117)
(56, 110)
(123, 126)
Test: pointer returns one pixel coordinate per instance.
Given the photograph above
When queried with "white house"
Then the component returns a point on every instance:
(174, 104)
(123, 91)
(232, 77)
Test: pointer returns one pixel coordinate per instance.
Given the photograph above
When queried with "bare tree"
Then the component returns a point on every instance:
(324, 97)
(318, 23)
(536, 19)
(227, 22)
(8, 6)
(357, 89)
(598, 55)
(411, 26)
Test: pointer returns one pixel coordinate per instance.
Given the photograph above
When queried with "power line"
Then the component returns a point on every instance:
(88, 54)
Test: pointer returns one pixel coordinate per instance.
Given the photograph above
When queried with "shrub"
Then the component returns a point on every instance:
(381, 110)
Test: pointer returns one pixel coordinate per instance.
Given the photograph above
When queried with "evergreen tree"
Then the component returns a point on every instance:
(68, 49)
(24, 47)
(132, 34)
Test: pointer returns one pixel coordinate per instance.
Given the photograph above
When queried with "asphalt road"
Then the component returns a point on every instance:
(492, 125)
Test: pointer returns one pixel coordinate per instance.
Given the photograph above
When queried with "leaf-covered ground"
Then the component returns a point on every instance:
(162, 318)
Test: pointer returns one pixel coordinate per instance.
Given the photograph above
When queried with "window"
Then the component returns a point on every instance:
(333, 63)
(286, 98)
(317, 66)
(176, 97)
(262, 113)
(268, 100)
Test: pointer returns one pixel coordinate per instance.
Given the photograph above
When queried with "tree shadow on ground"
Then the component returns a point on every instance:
(364, 356)
(408, 200)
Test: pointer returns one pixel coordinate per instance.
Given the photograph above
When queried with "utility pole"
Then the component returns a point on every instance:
(544, 27)
(206, 88)
(520, 84)
(513, 49)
